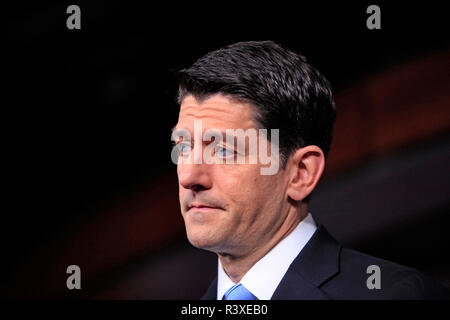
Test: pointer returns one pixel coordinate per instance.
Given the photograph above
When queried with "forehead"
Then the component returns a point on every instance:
(217, 112)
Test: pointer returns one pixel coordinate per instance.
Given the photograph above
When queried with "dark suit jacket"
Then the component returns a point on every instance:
(326, 270)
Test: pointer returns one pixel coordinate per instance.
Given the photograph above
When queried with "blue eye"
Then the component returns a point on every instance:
(223, 152)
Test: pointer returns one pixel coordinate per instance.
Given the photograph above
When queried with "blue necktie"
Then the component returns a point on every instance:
(238, 292)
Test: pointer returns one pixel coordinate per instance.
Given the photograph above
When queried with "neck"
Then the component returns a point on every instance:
(237, 266)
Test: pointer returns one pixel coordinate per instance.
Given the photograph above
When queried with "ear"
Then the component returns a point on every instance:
(304, 168)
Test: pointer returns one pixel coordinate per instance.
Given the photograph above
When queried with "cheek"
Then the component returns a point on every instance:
(181, 196)
(261, 193)
(180, 192)
(243, 185)
(264, 191)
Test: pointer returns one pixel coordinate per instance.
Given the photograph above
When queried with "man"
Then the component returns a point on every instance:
(257, 221)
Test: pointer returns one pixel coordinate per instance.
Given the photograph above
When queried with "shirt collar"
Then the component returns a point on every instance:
(263, 278)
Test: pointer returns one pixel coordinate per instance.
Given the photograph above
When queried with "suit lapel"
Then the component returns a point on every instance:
(317, 262)
(211, 293)
(294, 287)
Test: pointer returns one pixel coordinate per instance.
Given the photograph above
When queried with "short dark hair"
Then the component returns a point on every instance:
(288, 93)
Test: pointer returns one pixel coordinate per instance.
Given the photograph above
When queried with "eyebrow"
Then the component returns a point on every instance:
(222, 132)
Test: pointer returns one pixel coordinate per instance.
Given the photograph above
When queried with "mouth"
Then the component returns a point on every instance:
(202, 208)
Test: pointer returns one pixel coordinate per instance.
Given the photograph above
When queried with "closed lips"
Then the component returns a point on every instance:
(202, 206)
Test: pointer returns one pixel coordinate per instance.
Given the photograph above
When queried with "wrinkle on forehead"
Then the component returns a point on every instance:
(216, 111)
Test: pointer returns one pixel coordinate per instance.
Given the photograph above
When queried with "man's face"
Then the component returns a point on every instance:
(227, 208)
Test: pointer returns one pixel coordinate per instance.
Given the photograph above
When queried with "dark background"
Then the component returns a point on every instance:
(87, 174)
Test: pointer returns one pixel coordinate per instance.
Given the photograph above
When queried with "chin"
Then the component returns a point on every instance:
(203, 241)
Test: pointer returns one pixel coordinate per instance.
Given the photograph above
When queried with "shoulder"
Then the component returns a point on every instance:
(362, 276)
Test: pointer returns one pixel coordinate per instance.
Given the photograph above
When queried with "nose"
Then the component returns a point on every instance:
(195, 177)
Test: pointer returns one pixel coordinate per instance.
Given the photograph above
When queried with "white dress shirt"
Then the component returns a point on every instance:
(263, 278)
